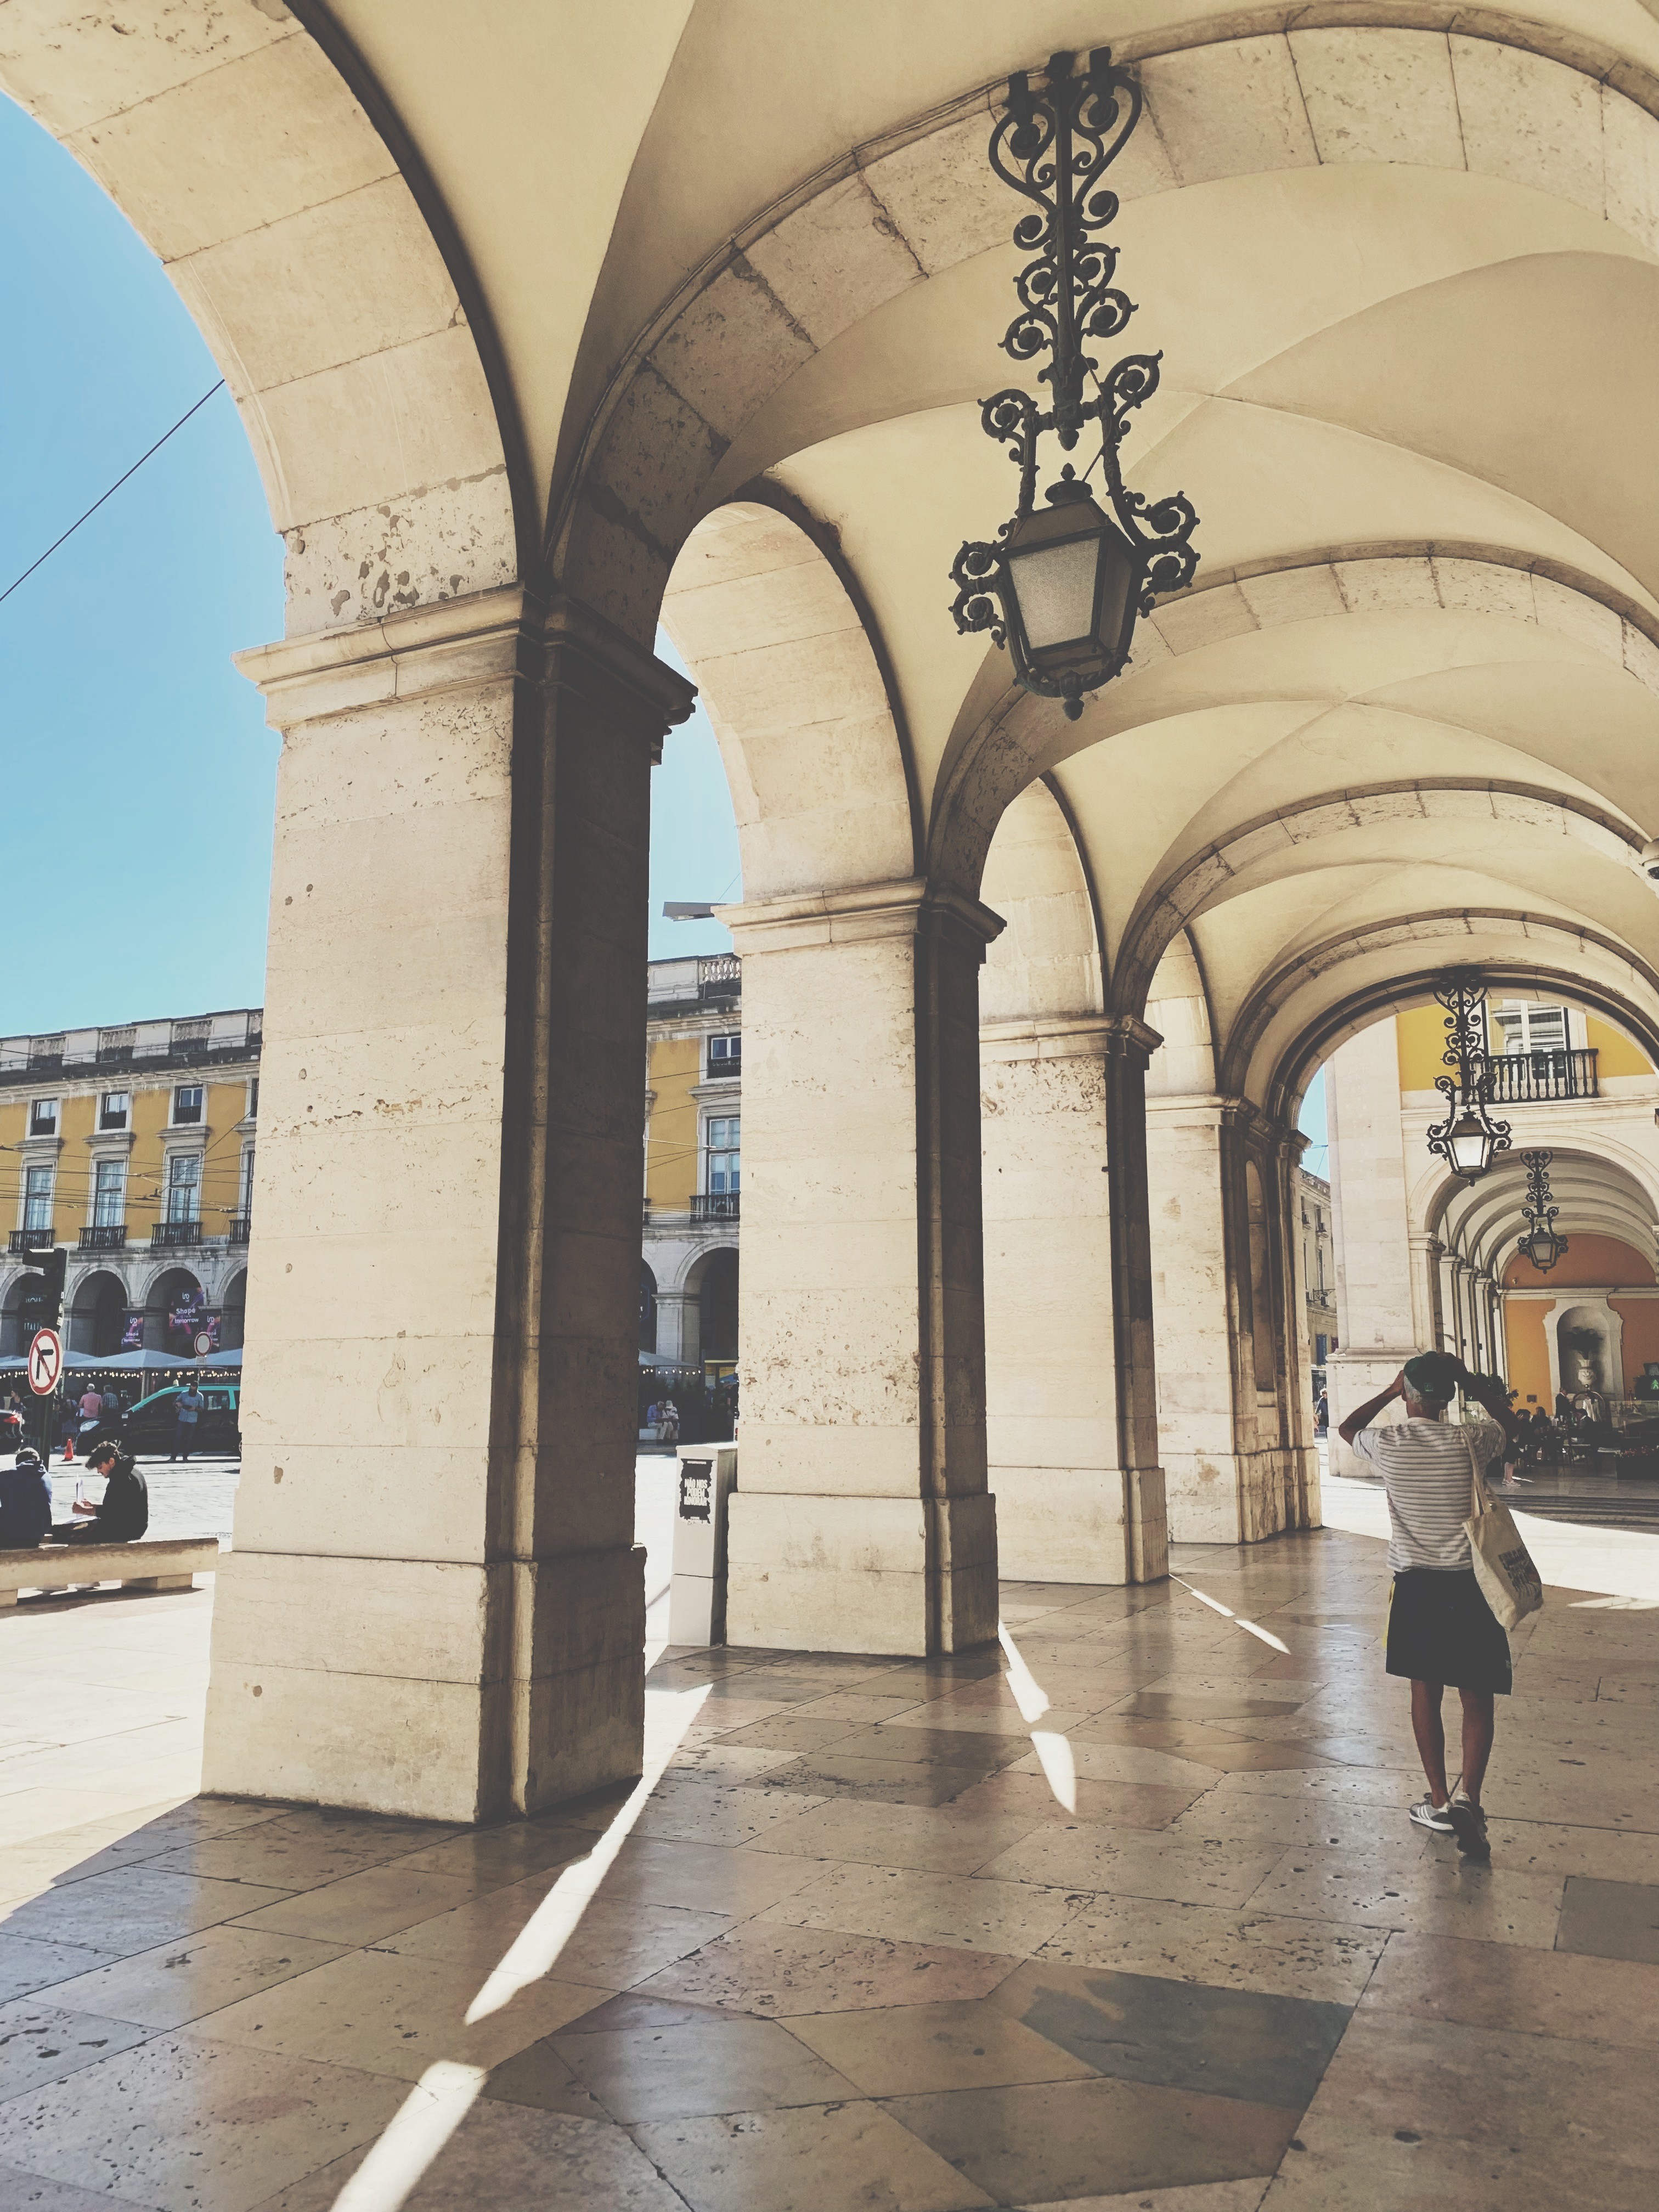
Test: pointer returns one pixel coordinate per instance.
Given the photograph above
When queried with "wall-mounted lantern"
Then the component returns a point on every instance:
(1468, 1139)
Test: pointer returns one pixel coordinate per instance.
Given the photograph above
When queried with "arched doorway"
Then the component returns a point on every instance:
(22, 1314)
(231, 1327)
(718, 1297)
(98, 1315)
(172, 1295)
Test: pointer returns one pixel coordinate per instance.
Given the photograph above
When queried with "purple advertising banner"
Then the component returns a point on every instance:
(132, 1330)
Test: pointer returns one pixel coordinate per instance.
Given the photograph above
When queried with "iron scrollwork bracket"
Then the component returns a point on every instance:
(1463, 995)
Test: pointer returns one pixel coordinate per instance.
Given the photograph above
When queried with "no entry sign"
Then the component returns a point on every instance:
(45, 1361)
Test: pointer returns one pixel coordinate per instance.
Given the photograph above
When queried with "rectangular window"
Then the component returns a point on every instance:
(43, 1117)
(109, 1196)
(114, 1110)
(186, 1104)
(253, 1098)
(37, 1199)
(725, 1160)
(1525, 1027)
(245, 1198)
(185, 1187)
(725, 1057)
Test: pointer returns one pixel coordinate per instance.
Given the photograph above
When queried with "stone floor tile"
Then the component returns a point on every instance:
(615, 1940)
(902, 1904)
(725, 1762)
(181, 1981)
(1347, 2168)
(694, 1811)
(787, 1731)
(1208, 1702)
(386, 2014)
(185, 2124)
(1106, 1804)
(538, 2077)
(912, 2049)
(491, 1858)
(1554, 2102)
(508, 2156)
(363, 1907)
(1203, 2196)
(32, 2193)
(943, 1840)
(1397, 1786)
(708, 1877)
(838, 2158)
(1251, 1950)
(1122, 1762)
(731, 2063)
(132, 1908)
(777, 1972)
(1610, 1919)
(1628, 1689)
(1126, 1862)
(1556, 1847)
(1501, 1985)
(1318, 1823)
(296, 1852)
(1065, 2139)
(42, 2042)
(1429, 1894)
(860, 1706)
(987, 1749)
(27, 1965)
(882, 1780)
(1264, 2048)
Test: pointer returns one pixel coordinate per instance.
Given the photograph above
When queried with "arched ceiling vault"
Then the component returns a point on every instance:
(1595, 1194)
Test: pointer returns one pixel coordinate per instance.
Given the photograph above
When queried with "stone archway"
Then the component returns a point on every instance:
(98, 1314)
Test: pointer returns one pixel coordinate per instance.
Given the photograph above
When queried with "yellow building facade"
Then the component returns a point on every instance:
(133, 1149)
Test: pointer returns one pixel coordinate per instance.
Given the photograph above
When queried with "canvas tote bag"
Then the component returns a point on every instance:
(1510, 1583)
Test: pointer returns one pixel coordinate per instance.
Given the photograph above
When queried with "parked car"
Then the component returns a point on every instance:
(11, 1429)
(148, 1425)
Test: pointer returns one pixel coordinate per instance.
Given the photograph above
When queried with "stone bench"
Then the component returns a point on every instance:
(158, 1564)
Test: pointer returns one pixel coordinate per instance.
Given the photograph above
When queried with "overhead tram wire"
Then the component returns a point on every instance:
(110, 494)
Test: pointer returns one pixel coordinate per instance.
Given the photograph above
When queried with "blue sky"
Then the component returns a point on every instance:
(139, 776)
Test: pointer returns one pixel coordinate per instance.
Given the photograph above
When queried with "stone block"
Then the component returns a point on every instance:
(826, 1574)
(340, 1497)
(70, 65)
(1529, 120)
(731, 347)
(429, 1620)
(941, 195)
(836, 259)
(1630, 147)
(1229, 110)
(1375, 95)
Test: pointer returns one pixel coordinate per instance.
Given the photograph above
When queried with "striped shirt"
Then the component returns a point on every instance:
(1427, 1473)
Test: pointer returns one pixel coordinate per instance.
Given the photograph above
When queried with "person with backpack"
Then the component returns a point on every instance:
(1441, 1629)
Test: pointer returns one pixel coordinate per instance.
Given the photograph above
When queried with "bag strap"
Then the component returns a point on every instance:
(1478, 1488)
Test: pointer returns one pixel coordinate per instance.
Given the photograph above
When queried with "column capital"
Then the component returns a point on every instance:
(1419, 1240)
(1129, 1039)
(589, 656)
(856, 914)
(1060, 1037)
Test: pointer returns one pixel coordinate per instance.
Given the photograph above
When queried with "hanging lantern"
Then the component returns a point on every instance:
(1541, 1244)
(1468, 1139)
(1061, 585)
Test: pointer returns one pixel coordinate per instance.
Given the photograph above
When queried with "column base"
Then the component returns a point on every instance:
(1076, 1524)
(855, 1574)
(442, 1691)
(1241, 1497)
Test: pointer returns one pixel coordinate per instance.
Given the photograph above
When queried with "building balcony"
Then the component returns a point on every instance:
(240, 1229)
(715, 1205)
(167, 1234)
(104, 1236)
(31, 1240)
(1526, 1078)
(725, 1070)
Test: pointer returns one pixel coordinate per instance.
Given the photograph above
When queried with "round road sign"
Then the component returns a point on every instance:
(45, 1361)
(203, 1344)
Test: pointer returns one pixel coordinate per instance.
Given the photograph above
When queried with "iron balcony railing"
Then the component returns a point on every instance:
(715, 1205)
(31, 1240)
(241, 1228)
(1519, 1078)
(729, 1069)
(104, 1236)
(176, 1232)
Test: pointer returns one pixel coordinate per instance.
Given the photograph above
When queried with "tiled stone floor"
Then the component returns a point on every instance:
(1126, 1914)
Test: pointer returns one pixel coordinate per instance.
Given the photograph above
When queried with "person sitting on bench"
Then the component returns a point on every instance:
(24, 1503)
(124, 1514)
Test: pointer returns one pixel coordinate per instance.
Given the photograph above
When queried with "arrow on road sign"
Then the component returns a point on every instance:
(45, 1361)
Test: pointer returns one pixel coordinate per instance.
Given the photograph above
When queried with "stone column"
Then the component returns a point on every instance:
(863, 1521)
(1427, 1324)
(1370, 1223)
(434, 1605)
(1065, 1511)
(679, 1334)
(1129, 1045)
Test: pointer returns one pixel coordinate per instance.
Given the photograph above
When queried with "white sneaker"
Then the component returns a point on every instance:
(1425, 1814)
(1468, 1825)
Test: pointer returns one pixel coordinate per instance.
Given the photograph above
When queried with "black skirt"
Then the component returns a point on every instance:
(1441, 1630)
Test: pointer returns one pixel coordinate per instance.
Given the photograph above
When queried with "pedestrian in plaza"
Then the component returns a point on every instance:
(1441, 1630)
(668, 1427)
(187, 1408)
(25, 1502)
(123, 1515)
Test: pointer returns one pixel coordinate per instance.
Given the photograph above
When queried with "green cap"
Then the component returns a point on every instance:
(1432, 1377)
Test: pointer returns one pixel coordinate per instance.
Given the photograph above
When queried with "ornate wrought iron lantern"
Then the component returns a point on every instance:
(1468, 1139)
(1063, 583)
(1542, 1244)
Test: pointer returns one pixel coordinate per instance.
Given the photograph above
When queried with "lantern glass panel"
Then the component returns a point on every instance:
(1470, 1145)
(1055, 588)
